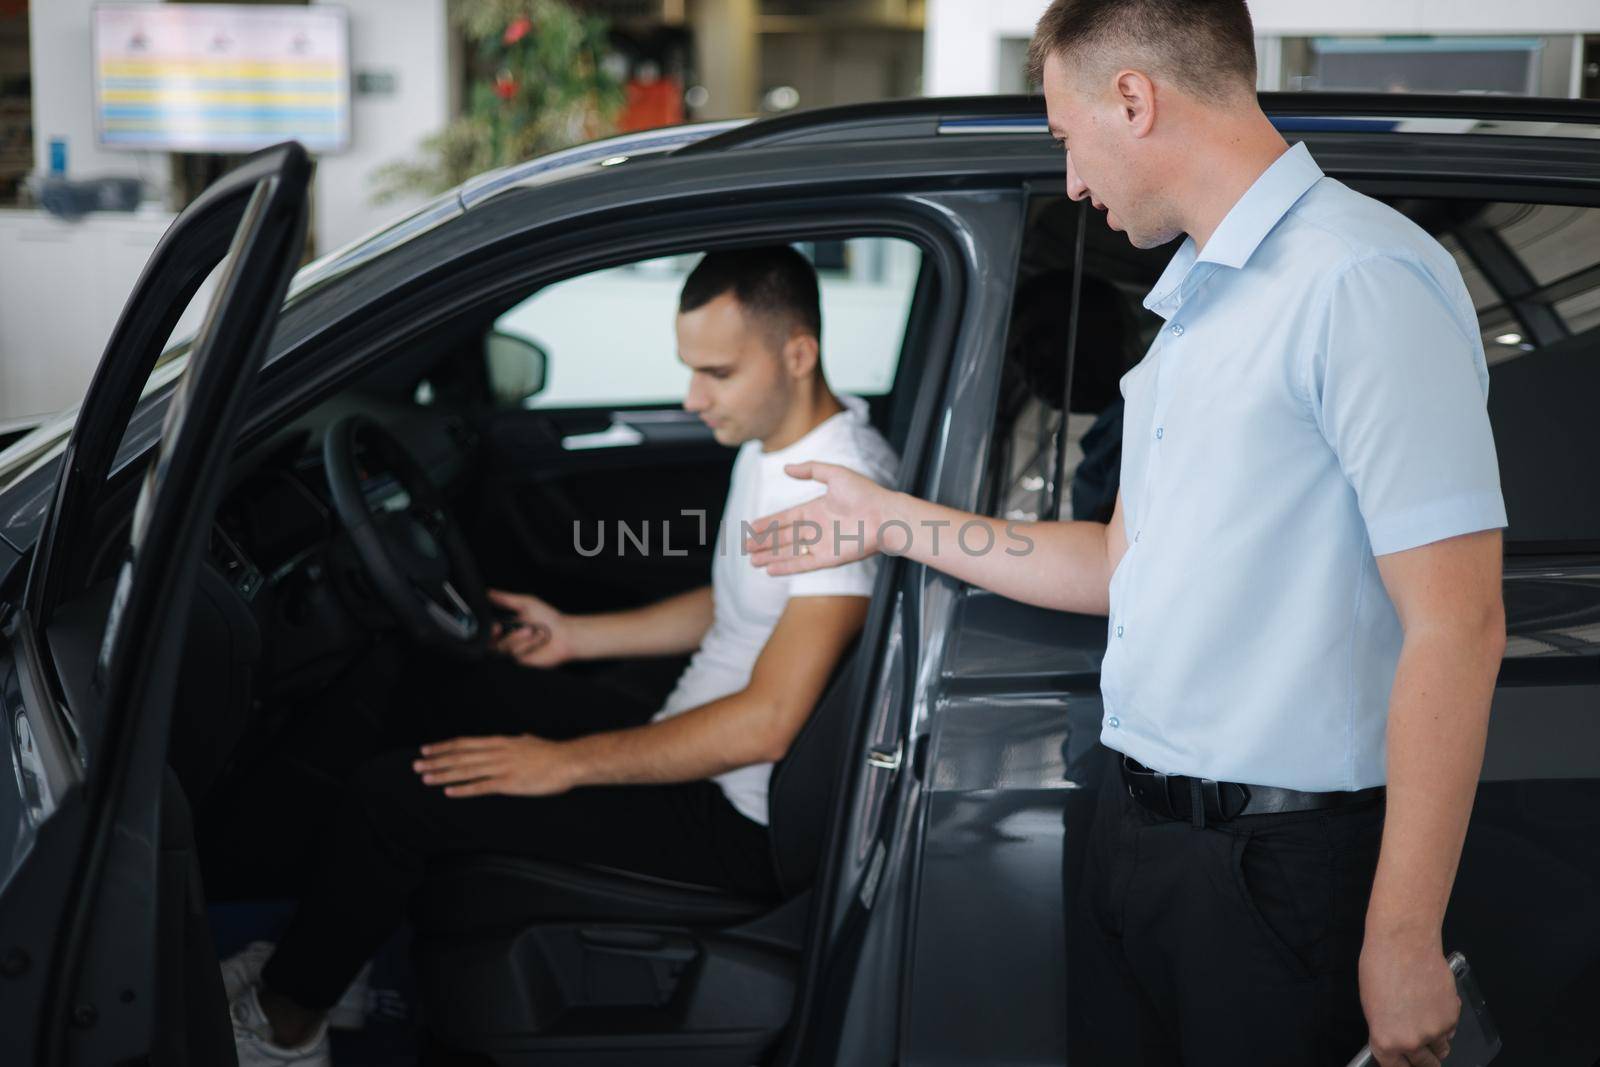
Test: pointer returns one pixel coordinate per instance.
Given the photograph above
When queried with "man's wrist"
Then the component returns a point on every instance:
(1402, 928)
(581, 635)
(574, 759)
(897, 508)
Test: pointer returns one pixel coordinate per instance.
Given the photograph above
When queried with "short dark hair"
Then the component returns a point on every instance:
(773, 283)
(1206, 46)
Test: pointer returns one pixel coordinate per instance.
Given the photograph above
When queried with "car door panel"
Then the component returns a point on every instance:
(86, 909)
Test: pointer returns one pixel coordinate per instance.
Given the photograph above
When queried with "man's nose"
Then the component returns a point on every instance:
(1076, 189)
(693, 401)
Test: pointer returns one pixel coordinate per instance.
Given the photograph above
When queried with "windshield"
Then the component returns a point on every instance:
(41, 444)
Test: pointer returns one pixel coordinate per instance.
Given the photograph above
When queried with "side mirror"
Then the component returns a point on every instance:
(516, 366)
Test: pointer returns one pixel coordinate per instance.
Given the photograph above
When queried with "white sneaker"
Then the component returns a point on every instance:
(243, 970)
(252, 1038)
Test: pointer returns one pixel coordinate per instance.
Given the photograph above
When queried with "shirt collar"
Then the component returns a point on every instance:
(1245, 225)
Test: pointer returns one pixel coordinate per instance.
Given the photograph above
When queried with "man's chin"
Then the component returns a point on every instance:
(1150, 240)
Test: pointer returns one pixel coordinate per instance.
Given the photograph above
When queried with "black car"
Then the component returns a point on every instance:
(188, 573)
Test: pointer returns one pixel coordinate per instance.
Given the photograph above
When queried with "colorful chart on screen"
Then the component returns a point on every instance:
(221, 77)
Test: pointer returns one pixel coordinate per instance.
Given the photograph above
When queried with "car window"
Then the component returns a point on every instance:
(1532, 270)
(607, 336)
(1032, 476)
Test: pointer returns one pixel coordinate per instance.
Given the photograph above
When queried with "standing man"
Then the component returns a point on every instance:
(1301, 573)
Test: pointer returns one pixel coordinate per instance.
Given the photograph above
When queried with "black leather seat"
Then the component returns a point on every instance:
(511, 890)
(525, 961)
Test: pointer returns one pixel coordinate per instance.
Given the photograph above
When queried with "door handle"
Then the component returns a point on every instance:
(886, 758)
(617, 435)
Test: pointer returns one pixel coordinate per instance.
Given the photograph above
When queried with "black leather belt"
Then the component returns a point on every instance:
(1174, 796)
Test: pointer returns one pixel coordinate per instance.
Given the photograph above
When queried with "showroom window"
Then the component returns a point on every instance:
(608, 336)
(1533, 272)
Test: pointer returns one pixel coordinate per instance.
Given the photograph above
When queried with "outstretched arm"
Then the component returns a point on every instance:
(1062, 565)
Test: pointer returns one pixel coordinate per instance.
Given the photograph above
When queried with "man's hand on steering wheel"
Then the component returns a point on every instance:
(537, 636)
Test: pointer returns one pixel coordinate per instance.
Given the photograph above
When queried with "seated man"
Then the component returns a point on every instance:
(682, 796)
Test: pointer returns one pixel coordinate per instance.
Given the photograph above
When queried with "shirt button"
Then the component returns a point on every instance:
(1119, 631)
(1158, 433)
(1113, 722)
(1177, 329)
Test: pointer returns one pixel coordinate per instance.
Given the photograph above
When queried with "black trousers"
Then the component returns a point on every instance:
(1236, 944)
(389, 826)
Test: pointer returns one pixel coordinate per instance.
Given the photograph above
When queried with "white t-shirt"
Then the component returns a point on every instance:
(747, 600)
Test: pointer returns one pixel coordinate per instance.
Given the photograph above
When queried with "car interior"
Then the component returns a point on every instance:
(359, 539)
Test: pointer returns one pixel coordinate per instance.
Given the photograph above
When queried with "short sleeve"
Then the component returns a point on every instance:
(852, 579)
(1399, 388)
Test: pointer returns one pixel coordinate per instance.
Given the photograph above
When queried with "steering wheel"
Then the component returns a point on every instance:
(406, 541)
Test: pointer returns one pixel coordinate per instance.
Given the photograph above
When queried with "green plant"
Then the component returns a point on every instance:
(538, 85)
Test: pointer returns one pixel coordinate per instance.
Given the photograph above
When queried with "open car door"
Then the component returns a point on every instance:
(102, 923)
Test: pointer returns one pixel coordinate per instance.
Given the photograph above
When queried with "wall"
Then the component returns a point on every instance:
(843, 66)
(1292, 17)
(62, 287)
(963, 44)
(408, 42)
(725, 53)
(63, 97)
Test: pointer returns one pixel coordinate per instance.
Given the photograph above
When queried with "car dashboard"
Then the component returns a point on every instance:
(279, 547)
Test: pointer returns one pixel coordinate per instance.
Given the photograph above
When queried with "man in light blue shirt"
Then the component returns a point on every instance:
(1314, 402)
(1301, 576)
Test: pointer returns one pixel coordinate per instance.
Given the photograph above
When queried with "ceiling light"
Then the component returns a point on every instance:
(1508, 339)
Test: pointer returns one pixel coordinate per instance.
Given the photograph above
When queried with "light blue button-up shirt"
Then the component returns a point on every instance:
(1315, 399)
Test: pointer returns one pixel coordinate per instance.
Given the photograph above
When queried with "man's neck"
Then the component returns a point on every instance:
(802, 418)
(1222, 172)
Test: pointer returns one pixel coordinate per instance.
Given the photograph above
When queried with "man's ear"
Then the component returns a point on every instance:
(800, 354)
(1136, 97)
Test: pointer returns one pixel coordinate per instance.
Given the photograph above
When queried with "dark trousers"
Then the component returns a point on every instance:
(1236, 944)
(389, 826)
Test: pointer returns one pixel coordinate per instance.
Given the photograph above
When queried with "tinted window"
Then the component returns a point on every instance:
(1534, 274)
(1032, 476)
(1533, 271)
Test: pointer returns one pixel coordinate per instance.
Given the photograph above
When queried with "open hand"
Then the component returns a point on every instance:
(522, 766)
(540, 637)
(840, 526)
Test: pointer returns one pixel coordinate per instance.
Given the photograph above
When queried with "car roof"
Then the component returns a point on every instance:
(936, 119)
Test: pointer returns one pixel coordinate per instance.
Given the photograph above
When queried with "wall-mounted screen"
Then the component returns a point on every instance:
(221, 77)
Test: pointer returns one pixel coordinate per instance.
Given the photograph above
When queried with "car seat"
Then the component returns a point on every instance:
(524, 961)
